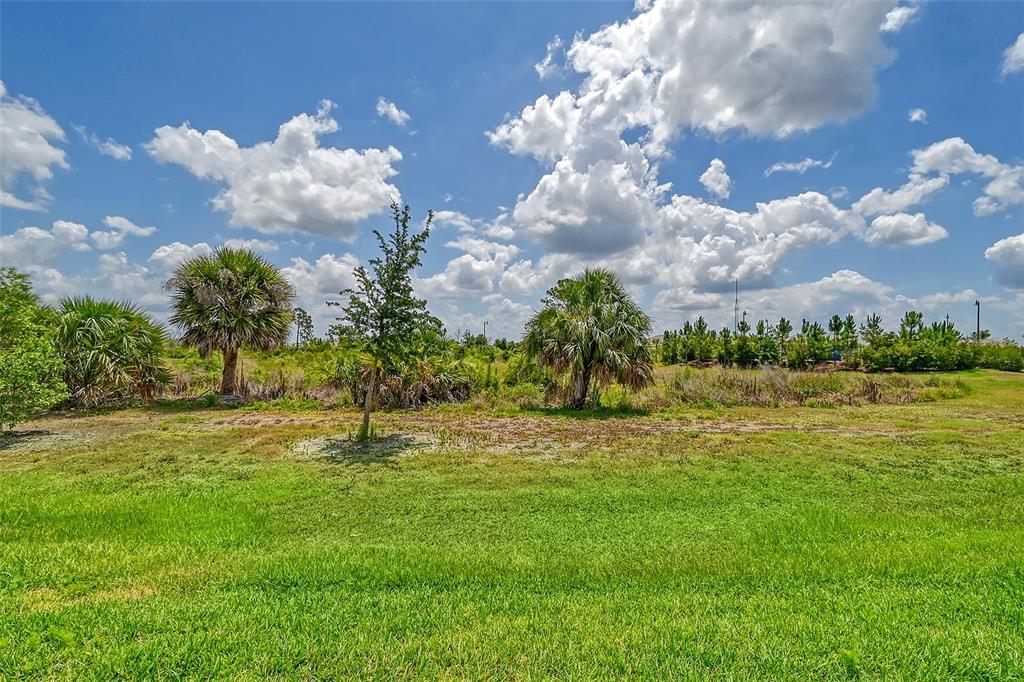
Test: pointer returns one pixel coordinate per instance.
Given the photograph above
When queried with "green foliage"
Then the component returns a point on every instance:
(228, 301)
(30, 368)
(914, 347)
(382, 313)
(111, 351)
(303, 326)
(591, 329)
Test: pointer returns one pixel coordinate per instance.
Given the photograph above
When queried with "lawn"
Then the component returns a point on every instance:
(873, 541)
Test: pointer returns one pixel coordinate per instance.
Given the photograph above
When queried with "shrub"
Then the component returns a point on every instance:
(111, 351)
(30, 368)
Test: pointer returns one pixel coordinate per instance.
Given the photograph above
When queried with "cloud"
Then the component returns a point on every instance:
(716, 180)
(109, 146)
(1013, 57)
(551, 65)
(800, 167)
(390, 111)
(904, 229)
(119, 228)
(953, 156)
(36, 246)
(913, 192)
(545, 129)
(320, 281)
(251, 244)
(917, 116)
(27, 137)
(767, 68)
(599, 210)
(898, 17)
(472, 273)
(289, 184)
(170, 256)
(1008, 255)
(931, 171)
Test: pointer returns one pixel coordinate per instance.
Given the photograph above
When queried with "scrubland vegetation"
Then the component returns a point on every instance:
(210, 500)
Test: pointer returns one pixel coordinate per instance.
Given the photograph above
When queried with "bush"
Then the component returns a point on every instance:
(111, 351)
(30, 368)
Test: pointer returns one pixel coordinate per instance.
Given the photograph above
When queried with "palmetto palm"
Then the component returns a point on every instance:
(227, 301)
(110, 350)
(591, 328)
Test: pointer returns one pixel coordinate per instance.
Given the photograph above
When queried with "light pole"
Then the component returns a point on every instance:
(977, 332)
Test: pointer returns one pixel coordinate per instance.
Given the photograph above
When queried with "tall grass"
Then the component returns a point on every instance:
(772, 387)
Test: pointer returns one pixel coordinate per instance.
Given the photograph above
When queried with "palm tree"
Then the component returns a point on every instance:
(591, 328)
(227, 301)
(110, 350)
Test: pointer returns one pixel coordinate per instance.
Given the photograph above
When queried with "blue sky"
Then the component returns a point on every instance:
(548, 136)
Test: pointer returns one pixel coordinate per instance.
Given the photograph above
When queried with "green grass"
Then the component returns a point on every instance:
(874, 541)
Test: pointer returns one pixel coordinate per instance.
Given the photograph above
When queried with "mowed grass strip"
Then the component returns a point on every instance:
(189, 547)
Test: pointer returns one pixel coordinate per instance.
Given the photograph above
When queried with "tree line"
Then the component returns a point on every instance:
(390, 351)
(914, 346)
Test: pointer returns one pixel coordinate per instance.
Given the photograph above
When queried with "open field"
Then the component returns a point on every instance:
(873, 541)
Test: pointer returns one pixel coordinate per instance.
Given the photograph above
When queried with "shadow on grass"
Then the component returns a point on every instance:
(379, 450)
(11, 439)
(603, 412)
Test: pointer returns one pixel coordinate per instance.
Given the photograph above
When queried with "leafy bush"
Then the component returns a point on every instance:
(30, 368)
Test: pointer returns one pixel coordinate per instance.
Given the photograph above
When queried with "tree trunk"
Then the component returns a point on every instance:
(579, 389)
(364, 431)
(230, 373)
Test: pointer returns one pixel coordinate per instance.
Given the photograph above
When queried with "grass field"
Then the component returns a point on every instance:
(876, 541)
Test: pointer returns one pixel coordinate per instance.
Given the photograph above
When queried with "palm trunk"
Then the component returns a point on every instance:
(579, 389)
(364, 431)
(228, 376)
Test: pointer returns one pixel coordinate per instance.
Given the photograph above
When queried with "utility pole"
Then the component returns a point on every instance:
(485, 331)
(977, 332)
(736, 308)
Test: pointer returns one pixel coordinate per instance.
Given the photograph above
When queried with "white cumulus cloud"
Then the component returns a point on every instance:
(1008, 255)
(716, 180)
(1013, 57)
(28, 151)
(389, 110)
(903, 229)
(291, 183)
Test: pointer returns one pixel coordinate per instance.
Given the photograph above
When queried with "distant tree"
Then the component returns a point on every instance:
(303, 326)
(111, 350)
(835, 328)
(590, 327)
(30, 368)
(382, 311)
(911, 325)
(782, 331)
(227, 301)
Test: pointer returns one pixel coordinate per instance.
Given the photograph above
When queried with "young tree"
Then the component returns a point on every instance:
(782, 331)
(303, 326)
(227, 301)
(30, 368)
(591, 328)
(382, 311)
